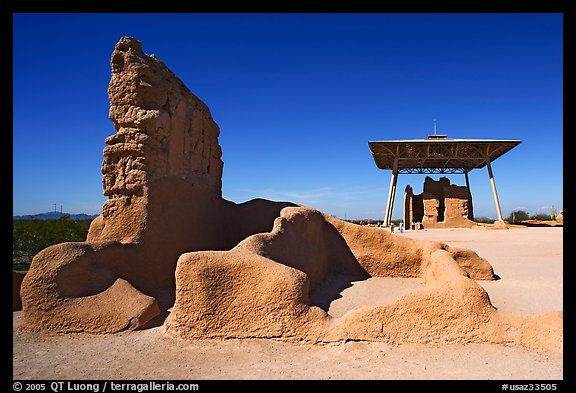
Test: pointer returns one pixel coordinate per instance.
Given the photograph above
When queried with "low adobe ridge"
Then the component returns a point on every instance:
(168, 242)
(261, 289)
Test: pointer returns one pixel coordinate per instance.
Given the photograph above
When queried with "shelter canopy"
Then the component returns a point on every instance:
(437, 154)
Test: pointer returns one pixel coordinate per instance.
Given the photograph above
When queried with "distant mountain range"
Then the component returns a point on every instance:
(55, 216)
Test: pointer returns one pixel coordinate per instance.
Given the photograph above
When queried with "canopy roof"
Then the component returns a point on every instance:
(438, 154)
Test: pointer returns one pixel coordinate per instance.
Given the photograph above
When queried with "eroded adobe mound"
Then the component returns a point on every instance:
(167, 240)
(261, 288)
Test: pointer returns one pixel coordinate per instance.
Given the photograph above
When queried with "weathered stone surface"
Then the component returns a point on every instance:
(441, 204)
(167, 240)
(436, 187)
(73, 287)
(408, 211)
(162, 131)
(162, 175)
(261, 288)
(431, 209)
(456, 205)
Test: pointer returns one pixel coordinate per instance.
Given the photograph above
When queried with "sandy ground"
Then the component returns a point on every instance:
(528, 260)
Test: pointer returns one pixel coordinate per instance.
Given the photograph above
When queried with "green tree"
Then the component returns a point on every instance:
(29, 237)
(517, 216)
(540, 216)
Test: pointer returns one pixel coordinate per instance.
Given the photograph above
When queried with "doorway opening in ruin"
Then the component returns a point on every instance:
(441, 210)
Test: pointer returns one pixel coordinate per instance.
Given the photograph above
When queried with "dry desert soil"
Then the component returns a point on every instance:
(528, 260)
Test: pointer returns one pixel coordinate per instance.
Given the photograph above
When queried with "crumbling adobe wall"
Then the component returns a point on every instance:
(73, 287)
(441, 205)
(432, 208)
(162, 175)
(433, 195)
(166, 237)
(383, 255)
(163, 131)
(261, 289)
(407, 213)
(456, 203)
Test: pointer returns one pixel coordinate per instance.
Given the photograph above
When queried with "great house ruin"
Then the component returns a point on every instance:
(441, 204)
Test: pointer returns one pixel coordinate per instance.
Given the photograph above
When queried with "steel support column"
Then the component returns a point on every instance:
(391, 193)
(470, 211)
(493, 184)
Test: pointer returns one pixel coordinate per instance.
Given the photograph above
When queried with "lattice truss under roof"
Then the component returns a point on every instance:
(430, 156)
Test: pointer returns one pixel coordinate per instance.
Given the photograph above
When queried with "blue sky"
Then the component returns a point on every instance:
(297, 98)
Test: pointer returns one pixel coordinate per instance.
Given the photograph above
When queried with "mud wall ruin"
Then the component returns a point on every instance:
(168, 249)
(440, 205)
(162, 175)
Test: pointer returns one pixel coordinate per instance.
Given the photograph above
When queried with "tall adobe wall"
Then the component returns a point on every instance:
(160, 125)
(440, 205)
(162, 173)
(163, 131)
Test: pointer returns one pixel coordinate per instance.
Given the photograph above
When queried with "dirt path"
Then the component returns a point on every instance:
(528, 260)
(146, 355)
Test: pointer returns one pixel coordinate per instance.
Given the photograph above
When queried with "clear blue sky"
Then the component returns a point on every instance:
(297, 98)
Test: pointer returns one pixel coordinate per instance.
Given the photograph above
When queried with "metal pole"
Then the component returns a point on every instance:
(386, 214)
(470, 212)
(391, 192)
(494, 190)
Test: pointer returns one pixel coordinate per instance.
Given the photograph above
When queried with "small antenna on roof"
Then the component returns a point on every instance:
(436, 136)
